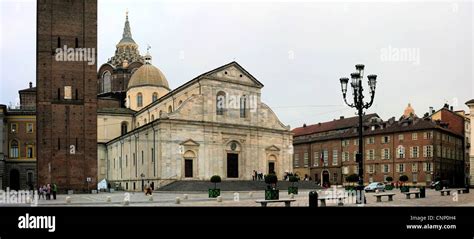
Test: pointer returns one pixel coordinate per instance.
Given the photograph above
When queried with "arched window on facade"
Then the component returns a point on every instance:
(170, 109)
(107, 82)
(180, 102)
(243, 106)
(152, 118)
(154, 97)
(124, 128)
(14, 150)
(220, 103)
(139, 100)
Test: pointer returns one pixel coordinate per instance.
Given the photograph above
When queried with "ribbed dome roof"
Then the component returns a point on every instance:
(148, 75)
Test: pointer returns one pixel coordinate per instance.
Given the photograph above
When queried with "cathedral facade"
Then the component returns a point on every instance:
(215, 124)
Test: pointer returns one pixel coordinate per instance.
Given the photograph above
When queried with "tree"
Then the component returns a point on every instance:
(271, 180)
(294, 179)
(389, 179)
(403, 178)
(353, 178)
(215, 179)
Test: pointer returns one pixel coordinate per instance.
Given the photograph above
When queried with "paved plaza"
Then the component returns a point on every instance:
(243, 199)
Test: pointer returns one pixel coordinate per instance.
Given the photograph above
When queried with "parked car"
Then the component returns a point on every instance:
(375, 186)
(441, 183)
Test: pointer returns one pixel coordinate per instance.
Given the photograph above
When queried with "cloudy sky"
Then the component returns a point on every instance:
(421, 51)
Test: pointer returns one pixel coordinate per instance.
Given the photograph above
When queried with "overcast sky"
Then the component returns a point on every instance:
(298, 50)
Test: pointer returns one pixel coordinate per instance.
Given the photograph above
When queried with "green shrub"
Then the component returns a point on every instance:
(294, 179)
(403, 178)
(271, 179)
(353, 178)
(293, 190)
(350, 188)
(215, 179)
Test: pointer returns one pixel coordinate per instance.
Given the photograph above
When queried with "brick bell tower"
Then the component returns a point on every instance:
(67, 93)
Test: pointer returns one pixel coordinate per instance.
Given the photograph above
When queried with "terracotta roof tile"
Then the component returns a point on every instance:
(330, 125)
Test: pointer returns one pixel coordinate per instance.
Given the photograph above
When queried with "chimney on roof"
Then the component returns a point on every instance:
(451, 108)
(431, 110)
(446, 106)
(31, 84)
(319, 124)
(342, 117)
(304, 125)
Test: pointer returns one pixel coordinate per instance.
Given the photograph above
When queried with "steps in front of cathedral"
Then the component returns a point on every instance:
(188, 185)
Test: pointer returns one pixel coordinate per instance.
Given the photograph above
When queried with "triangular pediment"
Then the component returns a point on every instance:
(272, 148)
(235, 73)
(189, 142)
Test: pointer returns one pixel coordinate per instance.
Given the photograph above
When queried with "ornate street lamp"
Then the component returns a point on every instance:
(360, 105)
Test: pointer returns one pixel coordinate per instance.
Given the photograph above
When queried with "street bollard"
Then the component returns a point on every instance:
(109, 199)
(250, 194)
(185, 196)
(422, 192)
(126, 202)
(68, 200)
(177, 200)
(150, 198)
(292, 196)
(313, 199)
(219, 199)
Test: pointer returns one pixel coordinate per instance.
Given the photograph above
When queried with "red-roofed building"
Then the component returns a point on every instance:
(421, 149)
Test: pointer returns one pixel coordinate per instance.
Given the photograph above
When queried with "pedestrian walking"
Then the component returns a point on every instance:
(48, 192)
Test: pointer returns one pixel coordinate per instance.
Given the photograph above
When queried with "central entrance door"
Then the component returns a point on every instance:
(188, 168)
(271, 168)
(232, 165)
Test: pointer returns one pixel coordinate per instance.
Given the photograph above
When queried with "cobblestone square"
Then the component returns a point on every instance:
(247, 199)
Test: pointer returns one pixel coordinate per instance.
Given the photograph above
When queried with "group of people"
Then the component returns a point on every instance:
(257, 176)
(287, 175)
(45, 191)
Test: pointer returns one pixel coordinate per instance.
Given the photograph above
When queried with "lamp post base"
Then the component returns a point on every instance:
(361, 199)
